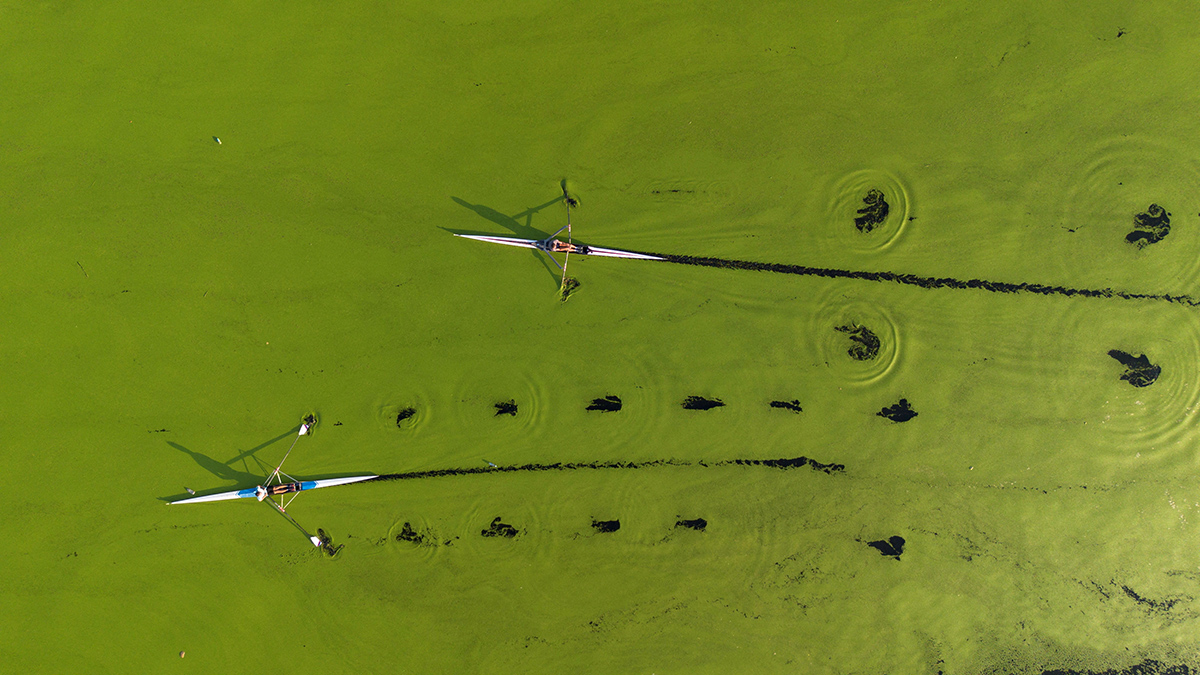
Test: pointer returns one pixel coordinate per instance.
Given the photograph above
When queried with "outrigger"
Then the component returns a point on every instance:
(269, 491)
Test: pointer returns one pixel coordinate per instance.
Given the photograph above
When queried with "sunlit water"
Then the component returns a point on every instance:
(945, 366)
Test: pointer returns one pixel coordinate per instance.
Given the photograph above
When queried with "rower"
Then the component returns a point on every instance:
(556, 246)
(261, 492)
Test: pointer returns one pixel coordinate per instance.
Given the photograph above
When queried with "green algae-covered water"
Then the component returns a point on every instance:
(173, 306)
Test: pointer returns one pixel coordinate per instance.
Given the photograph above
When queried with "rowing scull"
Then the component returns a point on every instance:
(268, 491)
(261, 492)
(551, 245)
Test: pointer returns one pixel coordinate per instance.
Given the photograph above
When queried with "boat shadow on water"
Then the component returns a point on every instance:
(227, 471)
(514, 224)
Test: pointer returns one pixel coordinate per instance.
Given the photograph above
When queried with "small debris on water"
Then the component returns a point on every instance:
(489, 464)
(217, 140)
(190, 491)
(182, 654)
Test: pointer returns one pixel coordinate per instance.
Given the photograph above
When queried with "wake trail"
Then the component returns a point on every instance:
(789, 463)
(923, 281)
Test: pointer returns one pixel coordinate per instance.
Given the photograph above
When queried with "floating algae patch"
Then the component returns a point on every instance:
(1138, 370)
(1150, 226)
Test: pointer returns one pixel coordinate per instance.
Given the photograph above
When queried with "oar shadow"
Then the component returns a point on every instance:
(226, 471)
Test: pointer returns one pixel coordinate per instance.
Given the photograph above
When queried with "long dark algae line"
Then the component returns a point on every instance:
(792, 463)
(922, 281)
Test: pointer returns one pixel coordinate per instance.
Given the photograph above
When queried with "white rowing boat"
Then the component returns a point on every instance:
(551, 245)
(261, 492)
(274, 487)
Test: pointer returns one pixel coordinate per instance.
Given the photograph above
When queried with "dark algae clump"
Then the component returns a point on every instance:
(326, 545)
(508, 407)
(405, 414)
(793, 405)
(606, 404)
(1147, 603)
(426, 538)
(407, 533)
(789, 464)
(893, 546)
(569, 286)
(1138, 370)
(697, 524)
(499, 529)
(865, 343)
(1149, 227)
(901, 412)
(873, 213)
(606, 525)
(1146, 667)
(701, 403)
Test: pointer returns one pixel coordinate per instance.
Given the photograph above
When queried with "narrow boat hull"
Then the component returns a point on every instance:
(251, 492)
(582, 249)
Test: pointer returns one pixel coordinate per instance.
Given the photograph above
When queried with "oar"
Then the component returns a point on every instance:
(315, 541)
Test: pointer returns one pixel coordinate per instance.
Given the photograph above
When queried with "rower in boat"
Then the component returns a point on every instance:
(557, 246)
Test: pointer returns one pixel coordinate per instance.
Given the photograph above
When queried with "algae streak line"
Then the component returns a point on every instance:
(782, 464)
(922, 281)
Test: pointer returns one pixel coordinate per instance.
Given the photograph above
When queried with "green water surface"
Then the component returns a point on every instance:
(172, 307)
